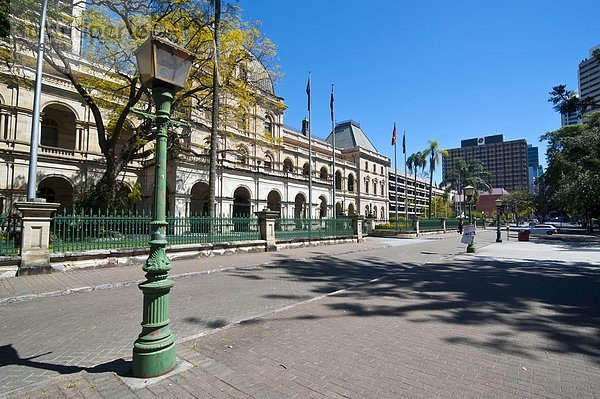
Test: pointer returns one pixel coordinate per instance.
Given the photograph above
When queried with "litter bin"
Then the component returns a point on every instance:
(524, 235)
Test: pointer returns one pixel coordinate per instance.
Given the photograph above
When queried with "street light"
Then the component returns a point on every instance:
(165, 67)
(469, 192)
(499, 210)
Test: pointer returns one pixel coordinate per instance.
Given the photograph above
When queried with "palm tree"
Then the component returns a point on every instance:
(434, 152)
(464, 174)
(415, 162)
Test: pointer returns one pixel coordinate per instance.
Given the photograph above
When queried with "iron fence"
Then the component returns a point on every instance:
(81, 231)
(309, 228)
(10, 234)
(430, 224)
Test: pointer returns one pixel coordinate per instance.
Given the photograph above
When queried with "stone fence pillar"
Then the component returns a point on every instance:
(266, 222)
(35, 236)
(417, 226)
(444, 225)
(357, 223)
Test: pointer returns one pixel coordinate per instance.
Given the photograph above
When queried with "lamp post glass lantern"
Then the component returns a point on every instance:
(499, 210)
(164, 67)
(469, 193)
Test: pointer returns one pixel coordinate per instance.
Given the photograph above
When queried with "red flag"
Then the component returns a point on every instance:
(394, 135)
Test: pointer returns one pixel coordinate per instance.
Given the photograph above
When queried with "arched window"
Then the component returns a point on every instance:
(338, 180)
(382, 213)
(366, 185)
(382, 189)
(49, 134)
(323, 174)
(375, 211)
(374, 188)
(268, 126)
(366, 166)
(288, 166)
(351, 183)
(366, 210)
(305, 169)
(268, 161)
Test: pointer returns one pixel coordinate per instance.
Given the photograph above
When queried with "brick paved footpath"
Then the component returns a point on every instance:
(469, 327)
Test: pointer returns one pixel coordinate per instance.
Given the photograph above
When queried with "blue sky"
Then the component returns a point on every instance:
(441, 70)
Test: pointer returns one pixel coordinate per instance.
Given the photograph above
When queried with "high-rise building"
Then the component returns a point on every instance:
(505, 160)
(534, 167)
(589, 78)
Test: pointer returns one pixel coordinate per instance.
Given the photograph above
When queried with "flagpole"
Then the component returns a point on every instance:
(333, 133)
(396, 174)
(309, 153)
(405, 182)
(35, 122)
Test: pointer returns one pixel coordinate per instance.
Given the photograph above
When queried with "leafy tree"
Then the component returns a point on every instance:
(435, 153)
(573, 171)
(522, 203)
(107, 81)
(4, 19)
(414, 162)
(566, 101)
(466, 174)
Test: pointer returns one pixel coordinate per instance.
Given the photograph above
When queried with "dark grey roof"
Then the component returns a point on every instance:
(349, 135)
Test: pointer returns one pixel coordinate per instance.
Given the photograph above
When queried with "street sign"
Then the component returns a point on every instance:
(468, 234)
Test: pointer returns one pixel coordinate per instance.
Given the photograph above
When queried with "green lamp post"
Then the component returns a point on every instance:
(164, 67)
(470, 192)
(499, 210)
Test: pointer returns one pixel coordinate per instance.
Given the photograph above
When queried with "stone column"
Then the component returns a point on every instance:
(357, 223)
(35, 236)
(444, 225)
(266, 222)
(417, 226)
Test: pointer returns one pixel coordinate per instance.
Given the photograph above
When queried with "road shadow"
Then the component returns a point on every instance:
(9, 356)
(559, 301)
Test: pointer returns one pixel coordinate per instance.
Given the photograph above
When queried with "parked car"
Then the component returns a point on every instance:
(542, 228)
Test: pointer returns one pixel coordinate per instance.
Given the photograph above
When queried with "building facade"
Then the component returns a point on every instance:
(404, 193)
(589, 79)
(261, 163)
(505, 160)
(533, 165)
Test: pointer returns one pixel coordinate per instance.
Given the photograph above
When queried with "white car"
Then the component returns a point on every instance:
(542, 229)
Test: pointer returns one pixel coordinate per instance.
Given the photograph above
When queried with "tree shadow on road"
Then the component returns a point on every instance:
(517, 302)
(556, 300)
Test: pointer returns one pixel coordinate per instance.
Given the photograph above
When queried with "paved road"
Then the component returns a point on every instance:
(431, 325)
(65, 334)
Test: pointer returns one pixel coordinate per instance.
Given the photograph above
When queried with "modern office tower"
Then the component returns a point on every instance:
(534, 167)
(589, 78)
(505, 160)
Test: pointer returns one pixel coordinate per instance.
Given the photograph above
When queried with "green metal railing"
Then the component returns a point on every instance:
(430, 224)
(10, 234)
(204, 229)
(309, 228)
(95, 230)
(452, 224)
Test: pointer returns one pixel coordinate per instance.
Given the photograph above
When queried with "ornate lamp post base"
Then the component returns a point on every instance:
(154, 352)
